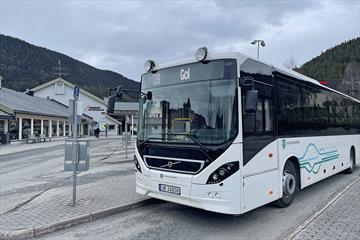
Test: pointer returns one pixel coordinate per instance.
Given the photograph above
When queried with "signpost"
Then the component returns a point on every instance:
(126, 136)
(76, 152)
(75, 145)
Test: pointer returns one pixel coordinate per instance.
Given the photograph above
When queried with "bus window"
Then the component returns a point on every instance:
(262, 122)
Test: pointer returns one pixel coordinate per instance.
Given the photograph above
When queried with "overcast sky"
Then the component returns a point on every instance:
(121, 35)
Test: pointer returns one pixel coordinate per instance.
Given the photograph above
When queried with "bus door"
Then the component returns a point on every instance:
(260, 159)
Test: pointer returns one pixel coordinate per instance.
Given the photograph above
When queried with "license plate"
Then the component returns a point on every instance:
(169, 189)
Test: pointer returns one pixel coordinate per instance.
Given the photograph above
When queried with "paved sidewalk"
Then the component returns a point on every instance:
(341, 220)
(54, 206)
(42, 202)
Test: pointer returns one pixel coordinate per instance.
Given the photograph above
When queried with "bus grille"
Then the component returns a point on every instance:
(188, 166)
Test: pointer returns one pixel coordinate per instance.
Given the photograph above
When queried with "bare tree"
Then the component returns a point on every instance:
(290, 62)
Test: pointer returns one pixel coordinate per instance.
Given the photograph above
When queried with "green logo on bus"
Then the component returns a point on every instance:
(284, 143)
(161, 175)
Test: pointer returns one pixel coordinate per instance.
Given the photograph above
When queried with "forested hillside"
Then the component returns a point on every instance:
(25, 66)
(339, 66)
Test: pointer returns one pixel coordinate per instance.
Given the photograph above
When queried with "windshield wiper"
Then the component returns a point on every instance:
(203, 148)
(148, 139)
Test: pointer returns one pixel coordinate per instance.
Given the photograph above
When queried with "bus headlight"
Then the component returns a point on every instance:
(201, 54)
(223, 172)
(137, 165)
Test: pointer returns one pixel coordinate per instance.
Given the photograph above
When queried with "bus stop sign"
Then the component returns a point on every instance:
(76, 92)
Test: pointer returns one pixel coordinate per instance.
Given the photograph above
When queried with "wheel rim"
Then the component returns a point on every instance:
(289, 184)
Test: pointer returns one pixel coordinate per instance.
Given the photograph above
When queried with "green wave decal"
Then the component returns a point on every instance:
(313, 163)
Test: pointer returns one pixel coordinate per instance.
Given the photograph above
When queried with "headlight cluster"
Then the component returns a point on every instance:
(137, 165)
(223, 172)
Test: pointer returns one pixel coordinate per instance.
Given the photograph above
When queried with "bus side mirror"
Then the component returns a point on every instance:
(111, 104)
(251, 101)
(149, 95)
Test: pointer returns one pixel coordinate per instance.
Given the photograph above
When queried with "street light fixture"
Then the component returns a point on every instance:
(258, 42)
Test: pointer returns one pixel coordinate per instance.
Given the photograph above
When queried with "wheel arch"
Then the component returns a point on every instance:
(352, 148)
(294, 160)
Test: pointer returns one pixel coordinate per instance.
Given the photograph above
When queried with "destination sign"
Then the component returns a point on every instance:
(216, 69)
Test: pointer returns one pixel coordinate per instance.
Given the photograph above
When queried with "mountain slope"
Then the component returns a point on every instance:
(25, 66)
(340, 66)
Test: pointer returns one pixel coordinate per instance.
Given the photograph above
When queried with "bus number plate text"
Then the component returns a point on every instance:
(169, 189)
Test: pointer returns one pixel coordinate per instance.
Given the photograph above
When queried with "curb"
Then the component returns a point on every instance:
(55, 145)
(32, 232)
(319, 212)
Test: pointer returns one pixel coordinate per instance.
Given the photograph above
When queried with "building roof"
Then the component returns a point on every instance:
(13, 102)
(126, 106)
(113, 120)
(4, 115)
(47, 84)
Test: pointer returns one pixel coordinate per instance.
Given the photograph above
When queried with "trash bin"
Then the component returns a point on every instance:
(5, 138)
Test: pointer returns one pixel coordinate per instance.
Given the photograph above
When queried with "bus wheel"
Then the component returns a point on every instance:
(350, 170)
(289, 185)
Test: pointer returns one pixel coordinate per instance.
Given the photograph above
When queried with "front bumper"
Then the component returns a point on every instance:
(224, 198)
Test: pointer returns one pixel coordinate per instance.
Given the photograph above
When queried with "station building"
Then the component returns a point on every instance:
(127, 111)
(23, 116)
(61, 91)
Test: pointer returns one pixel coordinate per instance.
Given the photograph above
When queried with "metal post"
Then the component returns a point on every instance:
(126, 137)
(75, 152)
(258, 43)
(132, 124)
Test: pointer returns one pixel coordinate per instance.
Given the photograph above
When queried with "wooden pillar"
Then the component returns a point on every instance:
(57, 128)
(81, 129)
(42, 127)
(6, 126)
(20, 128)
(50, 129)
(31, 126)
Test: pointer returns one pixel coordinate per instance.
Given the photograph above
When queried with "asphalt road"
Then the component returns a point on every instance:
(165, 220)
(24, 175)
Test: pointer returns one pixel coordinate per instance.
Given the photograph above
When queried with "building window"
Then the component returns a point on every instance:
(61, 128)
(111, 127)
(14, 129)
(26, 128)
(59, 88)
(2, 126)
(67, 129)
(53, 128)
(46, 128)
(37, 127)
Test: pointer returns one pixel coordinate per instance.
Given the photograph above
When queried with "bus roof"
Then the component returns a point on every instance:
(242, 58)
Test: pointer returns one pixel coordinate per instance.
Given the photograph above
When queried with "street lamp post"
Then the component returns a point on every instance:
(258, 42)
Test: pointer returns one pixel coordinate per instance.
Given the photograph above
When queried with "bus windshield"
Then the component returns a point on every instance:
(196, 108)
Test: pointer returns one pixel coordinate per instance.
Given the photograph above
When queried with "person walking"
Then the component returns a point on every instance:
(97, 132)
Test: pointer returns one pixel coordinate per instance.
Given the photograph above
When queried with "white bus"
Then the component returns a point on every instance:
(227, 133)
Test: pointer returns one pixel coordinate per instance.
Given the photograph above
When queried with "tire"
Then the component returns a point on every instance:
(350, 170)
(290, 185)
